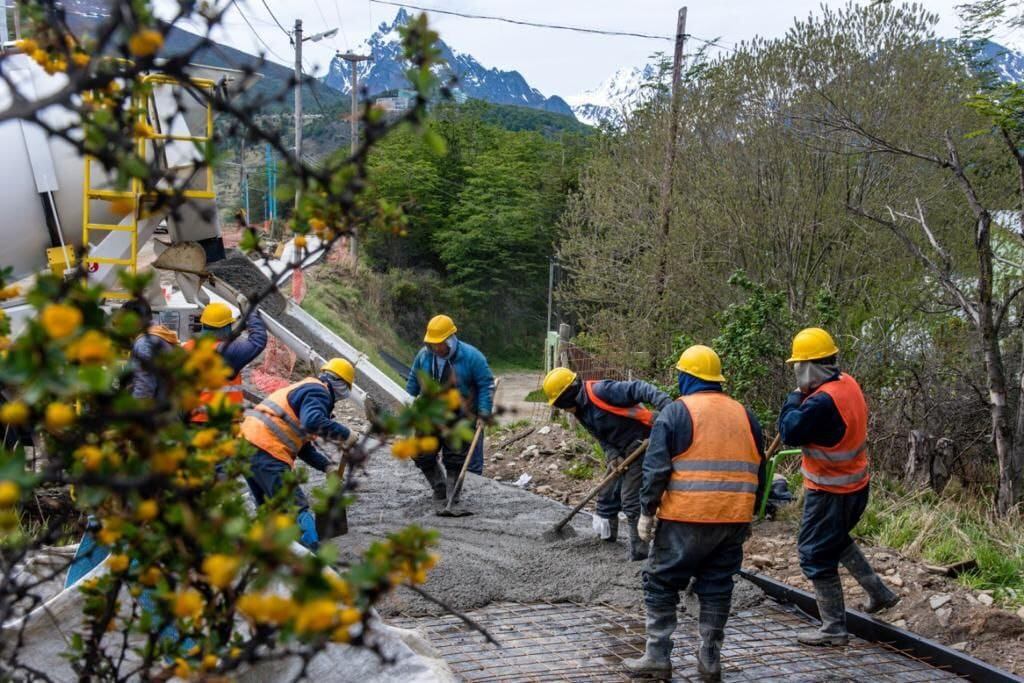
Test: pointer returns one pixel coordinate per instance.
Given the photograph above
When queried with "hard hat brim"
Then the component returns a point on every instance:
(551, 401)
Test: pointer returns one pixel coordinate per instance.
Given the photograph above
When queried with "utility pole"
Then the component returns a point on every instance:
(551, 286)
(353, 62)
(243, 177)
(297, 39)
(667, 176)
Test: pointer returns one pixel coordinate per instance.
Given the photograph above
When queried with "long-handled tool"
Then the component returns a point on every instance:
(556, 531)
(773, 455)
(447, 511)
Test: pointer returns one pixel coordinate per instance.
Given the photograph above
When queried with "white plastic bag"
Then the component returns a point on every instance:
(602, 527)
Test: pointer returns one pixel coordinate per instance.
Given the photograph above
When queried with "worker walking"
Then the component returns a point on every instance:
(703, 472)
(827, 417)
(217, 320)
(283, 427)
(448, 360)
(615, 415)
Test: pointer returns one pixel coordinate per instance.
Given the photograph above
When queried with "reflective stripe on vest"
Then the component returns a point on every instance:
(715, 479)
(842, 468)
(273, 426)
(638, 412)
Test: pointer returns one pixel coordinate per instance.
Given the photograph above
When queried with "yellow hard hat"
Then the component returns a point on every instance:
(556, 382)
(702, 362)
(342, 368)
(812, 343)
(217, 315)
(439, 328)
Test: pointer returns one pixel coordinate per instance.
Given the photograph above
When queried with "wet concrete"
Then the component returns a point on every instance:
(242, 274)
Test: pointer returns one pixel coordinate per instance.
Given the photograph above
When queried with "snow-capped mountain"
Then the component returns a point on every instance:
(611, 101)
(386, 71)
(1005, 63)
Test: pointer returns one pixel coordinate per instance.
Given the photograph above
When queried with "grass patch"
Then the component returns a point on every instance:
(580, 469)
(536, 396)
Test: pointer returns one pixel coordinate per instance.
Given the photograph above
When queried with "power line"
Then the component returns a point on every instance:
(272, 16)
(258, 37)
(559, 27)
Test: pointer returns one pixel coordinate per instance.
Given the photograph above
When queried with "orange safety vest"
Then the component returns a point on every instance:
(842, 468)
(638, 412)
(207, 397)
(275, 428)
(715, 479)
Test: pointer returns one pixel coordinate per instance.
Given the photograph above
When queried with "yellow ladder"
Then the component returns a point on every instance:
(134, 197)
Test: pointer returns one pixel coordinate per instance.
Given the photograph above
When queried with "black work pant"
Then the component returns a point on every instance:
(266, 478)
(683, 550)
(622, 494)
(825, 530)
(452, 459)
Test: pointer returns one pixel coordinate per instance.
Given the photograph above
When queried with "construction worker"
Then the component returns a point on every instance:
(147, 347)
(283, 427)
(452, 362)
(827, 417)
(703, 472)
(614, 414)
(217, 320)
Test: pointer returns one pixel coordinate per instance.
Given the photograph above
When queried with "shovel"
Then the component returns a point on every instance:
(557, 531)
(334, 522)
(447, 511)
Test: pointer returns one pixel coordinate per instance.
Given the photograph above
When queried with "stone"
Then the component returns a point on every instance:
(760, 561)
(498, 456)
(544, 490)
(553, 466)
(1020, 612)
(959, 646)
(900, 623)
(890, 571)
(545, 430)
(937, 601)
(896, 580)
(943, 615)
(971, 599)
(985, 599)
(882, 558)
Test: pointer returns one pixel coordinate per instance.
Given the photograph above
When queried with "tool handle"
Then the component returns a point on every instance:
(469, 455)
(604, 482)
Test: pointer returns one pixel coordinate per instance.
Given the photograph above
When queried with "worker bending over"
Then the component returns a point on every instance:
(614, 414)
(452, 362)
(283, 428)
(217, 320)
(703, 473)
(827, 417)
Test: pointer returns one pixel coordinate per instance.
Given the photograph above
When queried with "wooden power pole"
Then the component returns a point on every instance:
(668, 172)
(353, 62)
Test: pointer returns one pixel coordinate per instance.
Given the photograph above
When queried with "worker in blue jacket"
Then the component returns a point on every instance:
(146, 349)
(452, 362)
(615, 415)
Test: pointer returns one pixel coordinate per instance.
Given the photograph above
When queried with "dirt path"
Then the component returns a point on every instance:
(512, 392)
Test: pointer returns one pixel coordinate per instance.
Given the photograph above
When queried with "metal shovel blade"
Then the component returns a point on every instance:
(184, 257)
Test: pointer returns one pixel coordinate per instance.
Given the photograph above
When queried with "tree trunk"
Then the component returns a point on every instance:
(928, 461)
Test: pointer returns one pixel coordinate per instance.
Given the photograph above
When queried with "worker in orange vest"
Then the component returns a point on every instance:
(283, 428)
(615, 415)
(217, 320)
(827, 417)
(703, 472)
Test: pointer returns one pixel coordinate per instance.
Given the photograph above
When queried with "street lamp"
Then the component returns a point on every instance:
(298, 39)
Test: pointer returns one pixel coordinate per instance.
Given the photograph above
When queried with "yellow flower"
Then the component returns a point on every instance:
(27, 45)
(91, 457)
(210, 662)
(282, 522)
(147, 510)
(14, 413)
(167, 461)
(9, 292)
(145, 43)
(220, 570)
(255, 534)
(266, 608)
(181, 668)
(205, 438)
(60, 320)
(428, 444)
(453, 399)
(150, 576)
(10, 493)
(341, 635)
(56, 66)
(317, 615)
(93, 348)
(118, 563)
(349, 616)
(431, 561)
(188, 604)
(404, 449)
(80, 59)
(419, 576)
(8, 520)
(300, 242)
(59, 416)
(111, 531)
(40, 56)
(141, 129)
(228, 449)
(316, 225)
(207, 365)
(339, 586)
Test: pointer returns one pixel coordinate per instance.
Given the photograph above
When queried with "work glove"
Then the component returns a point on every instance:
(645, 527)
(243, 303)
(351, 439)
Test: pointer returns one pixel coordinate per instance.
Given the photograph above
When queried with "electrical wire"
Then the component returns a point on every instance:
(258, 37)
(272, 16)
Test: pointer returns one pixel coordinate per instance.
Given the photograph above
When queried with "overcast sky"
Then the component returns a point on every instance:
(555, 62)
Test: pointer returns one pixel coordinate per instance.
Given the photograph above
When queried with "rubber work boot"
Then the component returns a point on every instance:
(879, 595)
(711, 625)
(453, 478)
(638, 548)
(613, 525)
(829, 594)
(656, 660)
(436, 481)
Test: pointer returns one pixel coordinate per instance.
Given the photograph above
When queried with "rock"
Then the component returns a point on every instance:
(943, 615)
(890, 571)
(1020, 612)
(896, 580)
(959, 646)
(553, 466)
(937, 601)
(530, 452)
(545, 430)
(544, 490)
(985, 599)
(498, 456)
(1011, 592)
(760, 561)
(882, 558)
(900, 623)
(971, 599)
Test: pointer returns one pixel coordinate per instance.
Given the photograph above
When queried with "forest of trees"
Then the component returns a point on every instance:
(858, 174)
